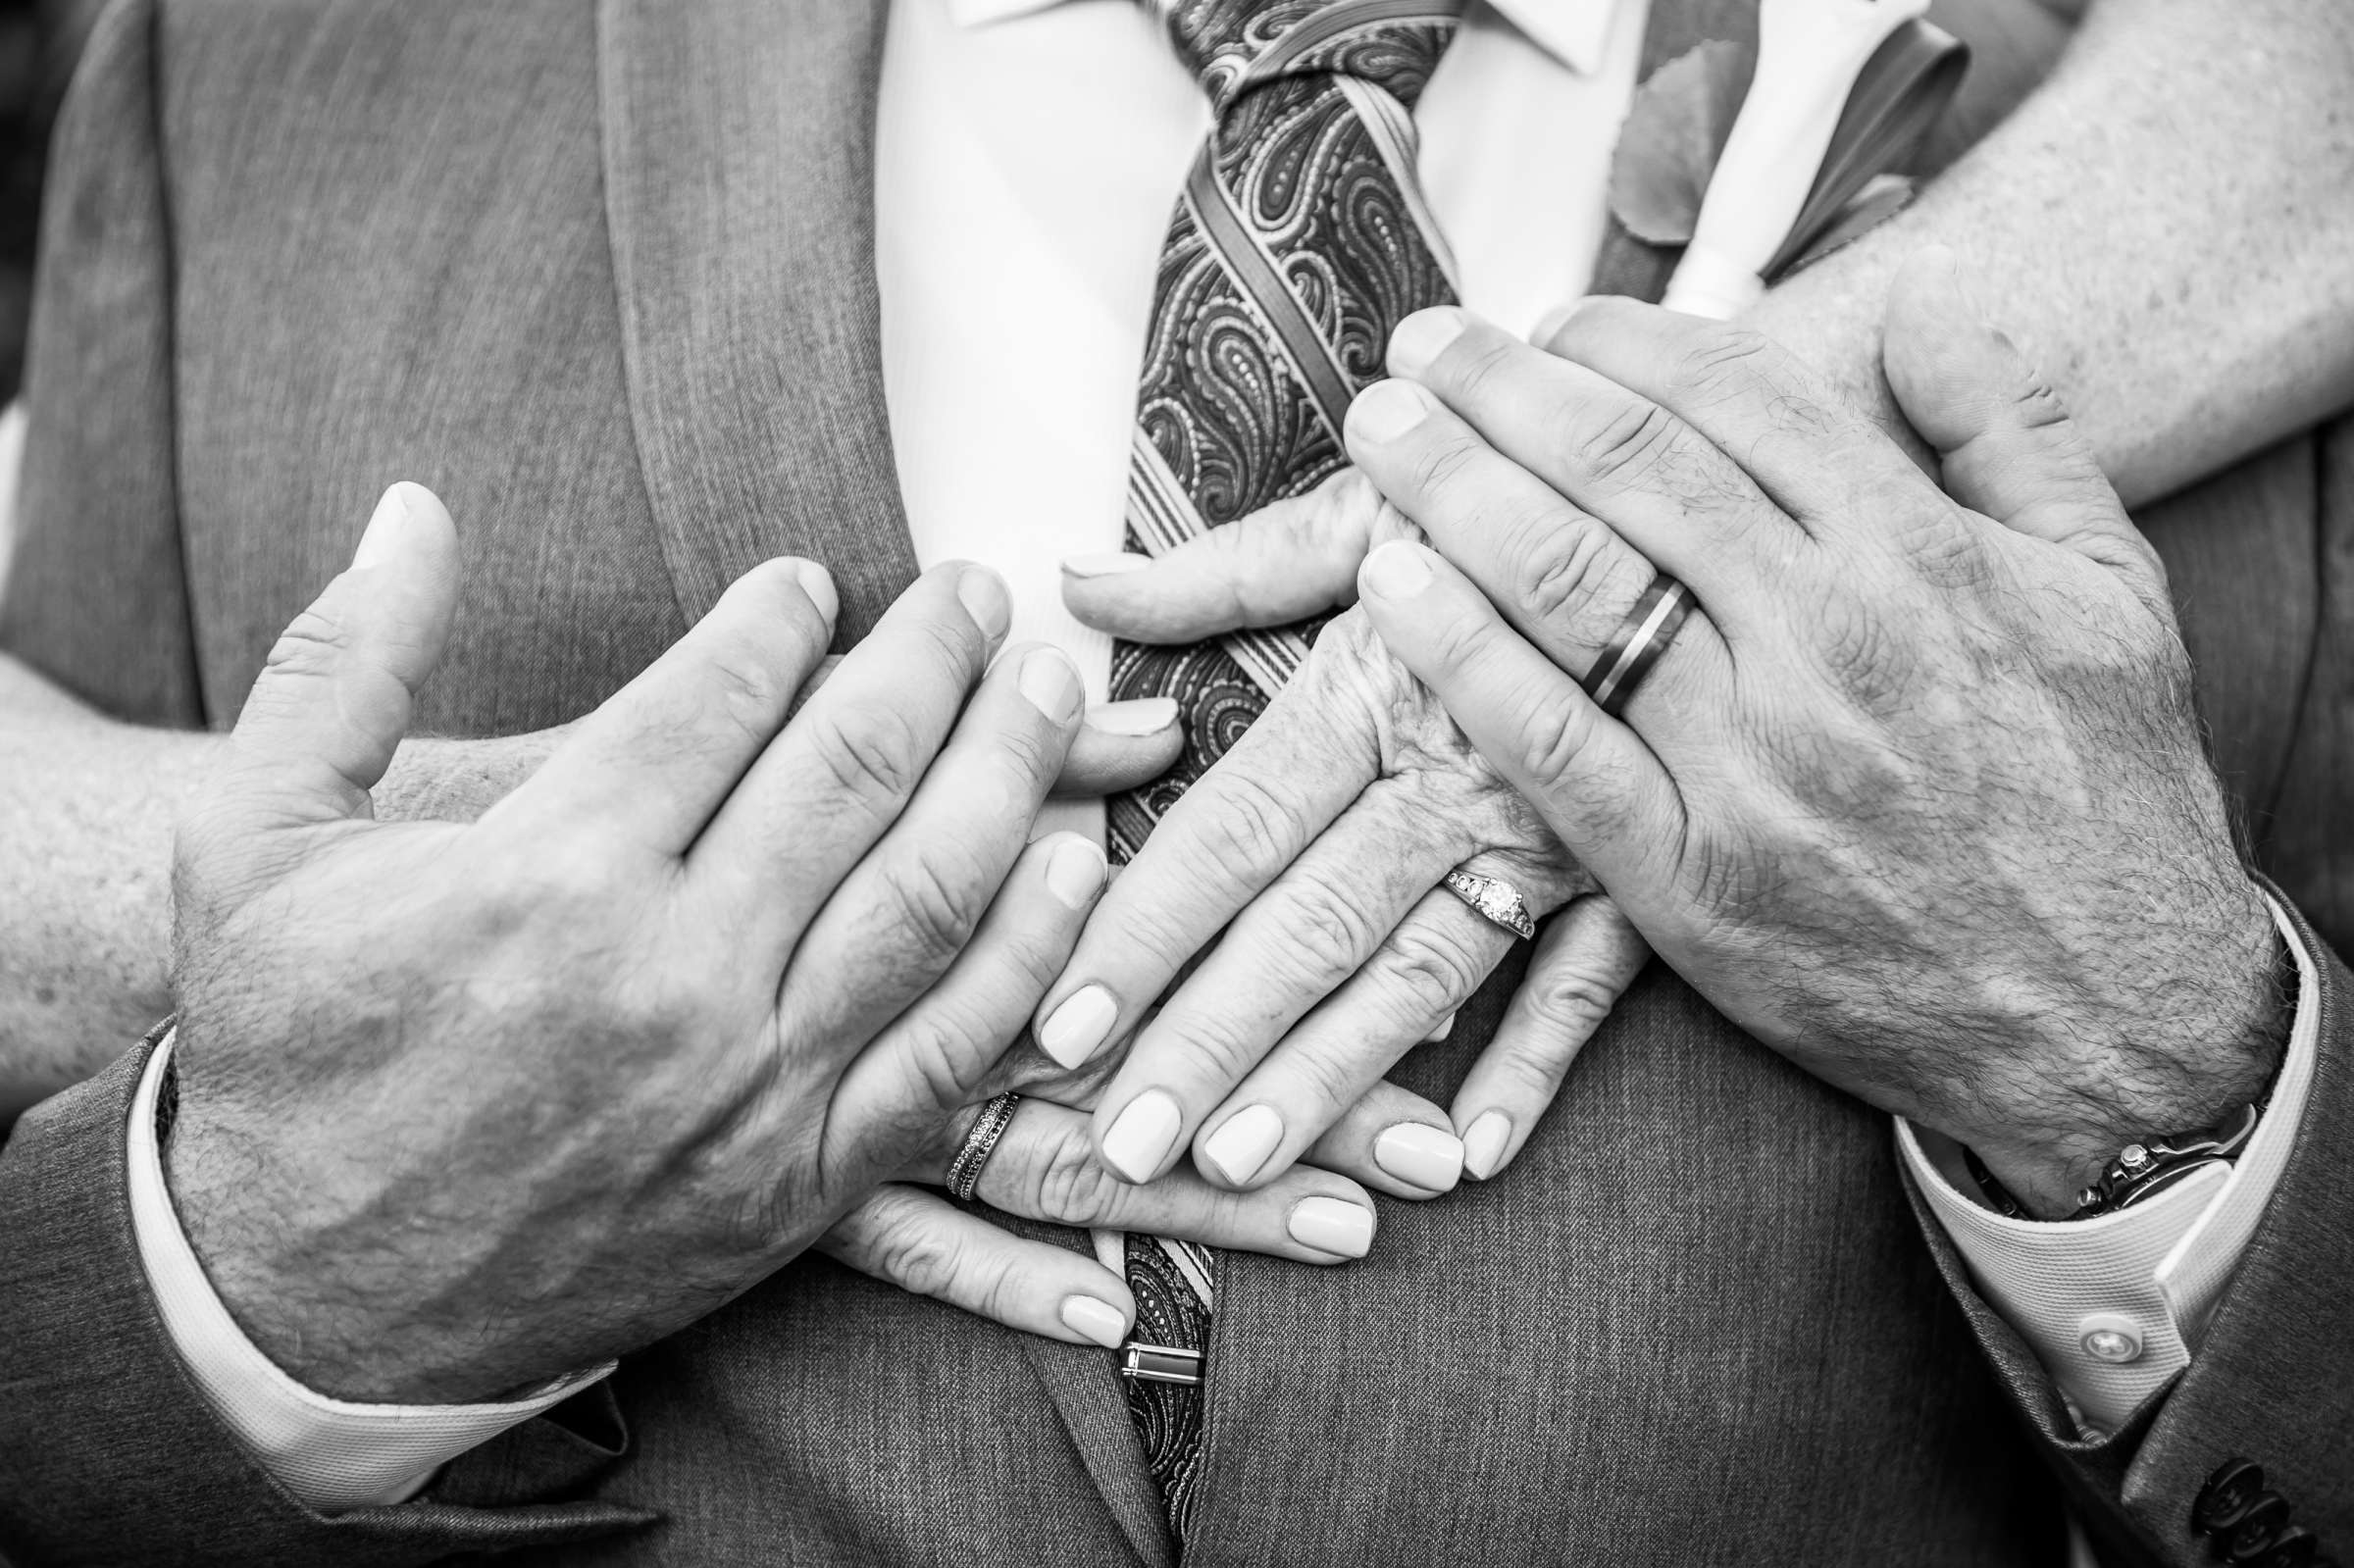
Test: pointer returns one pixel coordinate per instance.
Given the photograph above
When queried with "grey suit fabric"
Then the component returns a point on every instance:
(601, 276)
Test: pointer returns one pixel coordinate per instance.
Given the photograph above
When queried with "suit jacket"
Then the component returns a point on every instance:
(601, 273)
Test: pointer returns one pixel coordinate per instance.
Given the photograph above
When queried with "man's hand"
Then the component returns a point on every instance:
(465, 1106)
(1920, 800)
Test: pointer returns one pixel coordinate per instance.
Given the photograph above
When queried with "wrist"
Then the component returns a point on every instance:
(2195, 1069)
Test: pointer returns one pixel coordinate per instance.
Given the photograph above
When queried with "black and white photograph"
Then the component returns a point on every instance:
(1176, 783)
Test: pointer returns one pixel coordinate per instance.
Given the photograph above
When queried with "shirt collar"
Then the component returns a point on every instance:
(1573, 31)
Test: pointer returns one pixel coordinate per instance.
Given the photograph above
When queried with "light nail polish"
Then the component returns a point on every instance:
(1075, 1030)
(1484, 1143)
(982, 592)
(1050, 684)
(1138, 716)
(1142, 1135)
(1423, 336)
(1333, 1225)
(1387, 410)
(1075, 874)
(1242, 1141)
(1111, 563)
(1099, 1321)
(1427, 1158)
(1396, 571)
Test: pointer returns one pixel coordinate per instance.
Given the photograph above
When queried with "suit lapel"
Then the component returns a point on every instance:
(739, 191)
(738, 157)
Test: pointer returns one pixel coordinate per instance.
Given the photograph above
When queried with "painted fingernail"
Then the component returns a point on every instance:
(1484, 1142)
(1387, 410)
(1075, 1030)
(818, 584)
(1111, 563)
(1074, 875)
(1141, 1135)
(1138, 716)
(1440, 1030)
(1423, 336)
(1426, 1157)
(1099, 1321)
(1333, 1225)
(1396, 571)
(1050, 684)
(1242, 1142)
(982, 592)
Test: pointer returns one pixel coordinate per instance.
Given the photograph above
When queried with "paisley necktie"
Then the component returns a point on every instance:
(1300, 241)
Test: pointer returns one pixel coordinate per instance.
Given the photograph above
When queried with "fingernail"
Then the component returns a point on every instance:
(982, 592)
(818, 584)
(378, 541)
(1074, 875)
(1050, 684)
(1141, 1135)
(1422, 1157)
(1387, 410)
(1333, 1225)
(1109, 564)
(1138, 716)
(1242, 1142)
(1423, 337)
(1484, 1142)
(1099, 1321)
(1396, 571)
(1551, 322)
(1440, 1030)
(1075, 1030)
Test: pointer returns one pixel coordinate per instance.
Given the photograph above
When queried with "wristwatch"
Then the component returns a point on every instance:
(2140, 1172)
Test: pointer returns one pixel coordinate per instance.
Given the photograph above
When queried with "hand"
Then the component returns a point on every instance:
(1287, 563)
(1919, 799)
(466, 1106)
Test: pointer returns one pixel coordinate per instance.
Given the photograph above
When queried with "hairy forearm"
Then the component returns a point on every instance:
(86, 806)
(2162, 226)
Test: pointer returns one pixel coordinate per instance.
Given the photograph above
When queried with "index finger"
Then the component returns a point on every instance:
(1762, 406)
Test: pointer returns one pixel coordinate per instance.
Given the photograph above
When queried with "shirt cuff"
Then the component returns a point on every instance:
(331, 1455)
(2145, 1280)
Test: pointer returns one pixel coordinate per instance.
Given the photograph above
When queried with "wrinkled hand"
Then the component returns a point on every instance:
(1316, 844)
(1044, 1166)
(1919, 799)
(463, 1106)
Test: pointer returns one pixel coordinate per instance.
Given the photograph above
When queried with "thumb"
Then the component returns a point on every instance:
(2010, 448)
(334, 699)
(1285, 561)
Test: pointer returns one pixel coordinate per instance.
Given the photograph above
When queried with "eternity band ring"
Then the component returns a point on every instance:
(1496, 900)
(972, 1155)
(1638, 643)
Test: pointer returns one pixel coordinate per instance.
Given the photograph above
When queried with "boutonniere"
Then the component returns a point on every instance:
(1759, 160)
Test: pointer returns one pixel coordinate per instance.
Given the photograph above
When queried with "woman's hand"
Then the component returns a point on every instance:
(1319, 842)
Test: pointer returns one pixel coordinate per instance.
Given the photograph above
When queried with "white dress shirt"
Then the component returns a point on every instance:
(1029, 155)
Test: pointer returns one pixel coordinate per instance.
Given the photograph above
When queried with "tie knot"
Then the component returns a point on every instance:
(1233, 45)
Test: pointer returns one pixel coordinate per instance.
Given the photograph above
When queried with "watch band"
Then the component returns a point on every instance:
(2140, 1171)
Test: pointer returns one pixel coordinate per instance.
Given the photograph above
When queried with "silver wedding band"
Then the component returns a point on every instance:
(1638, 643)
(980, 1143)
(1495, 899)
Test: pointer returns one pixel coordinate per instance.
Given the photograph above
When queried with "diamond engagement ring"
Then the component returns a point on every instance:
(1498, 901)
(972, 1155)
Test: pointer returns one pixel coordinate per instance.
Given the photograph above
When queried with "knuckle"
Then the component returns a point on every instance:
(313, 644)
(923, 1259)
(937, 899)
(1474, 371)
(747, 690)
(1571, 1002)
(1070, 1185)
(1250, 817)
(1719, 360)
(869, 754)
(1327, 934)
(1439, 464)
(1627, 442)
(1558, 565)
(1432, 969)
(1552, 739)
